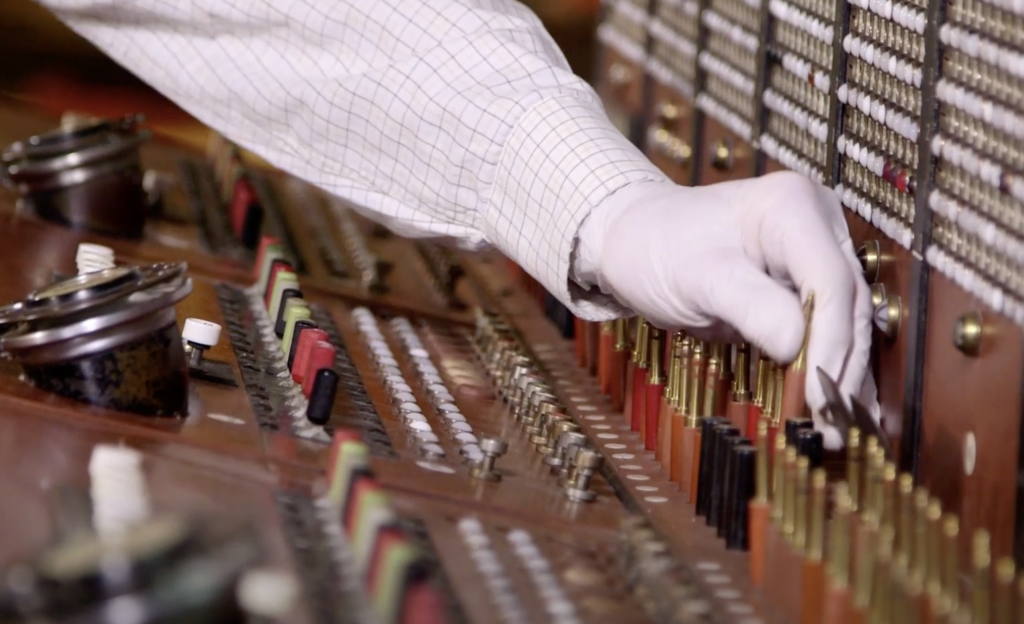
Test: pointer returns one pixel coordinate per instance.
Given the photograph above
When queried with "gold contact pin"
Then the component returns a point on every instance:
(918, 544)
(1002, 599)
(981, 562)
(816, 536)
(904, 514)
(683, 376)
(780, 384)
(768, 411)
(803, 467)
(697, 365)
(838, 564)
(621, 341)
(951, 564)
(933, 577)
(740, 383)
(779, 480)
(888, 495)
(759, 388)
(761, 476)
(853, 466)
(789, 496)
(881, 596)
(638, 339)
(671, 381)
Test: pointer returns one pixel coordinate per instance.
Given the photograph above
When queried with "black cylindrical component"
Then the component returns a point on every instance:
(794, 426)
(707, 428)
(252, 225)
(724, 436)
(301, 325)
(321, 399)
(811, 444)
(743, 486)
(279, 323)
(725, 513)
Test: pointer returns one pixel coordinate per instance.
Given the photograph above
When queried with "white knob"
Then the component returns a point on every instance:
(200, 332)
(91, 257)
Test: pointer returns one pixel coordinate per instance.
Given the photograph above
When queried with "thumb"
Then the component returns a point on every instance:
(765, 312)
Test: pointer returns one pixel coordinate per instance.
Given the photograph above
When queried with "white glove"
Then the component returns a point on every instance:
(723, 261)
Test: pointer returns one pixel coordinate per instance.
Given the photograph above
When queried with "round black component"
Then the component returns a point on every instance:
(794, 426)
(741, 489)
(321, 399)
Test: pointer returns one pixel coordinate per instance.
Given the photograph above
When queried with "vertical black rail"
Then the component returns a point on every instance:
(917, 319)
(836, 77)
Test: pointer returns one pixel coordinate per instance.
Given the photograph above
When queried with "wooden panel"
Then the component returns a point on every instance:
(740, 163)
(972, 396)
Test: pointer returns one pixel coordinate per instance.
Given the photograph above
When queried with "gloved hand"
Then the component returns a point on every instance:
(726, 261)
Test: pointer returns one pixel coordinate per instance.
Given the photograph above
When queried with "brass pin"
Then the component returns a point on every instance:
(918, 543)
(761, 476)
(671, 381)
(768, 390)
(779, 480)
(740, 382)
(759, 387)
(880, 601)
(780, 383)
(696, 381)
(904, 514)
(933, 577)
(888, 500)
(655, 356)
(853, 465)
(643, 336)
(683, 376)
(951, 564)
(816, 536)
(981, 562)
(789, 496)
(839, 538)
(1006, 573)
(638, 340)
(711, 385)
(621, 340)
(803, 467)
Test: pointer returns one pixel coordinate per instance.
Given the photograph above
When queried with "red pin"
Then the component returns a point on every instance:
(307, 339)
(321, 355)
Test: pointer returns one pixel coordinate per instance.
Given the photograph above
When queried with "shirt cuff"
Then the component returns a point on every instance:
(563, 159)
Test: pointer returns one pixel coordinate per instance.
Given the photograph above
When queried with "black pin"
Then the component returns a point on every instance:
(811, 444)
(726, 438)
(795, 426)
(321, 399)
(707, 429)
(742, 467)
(252, 225)
(725, 513)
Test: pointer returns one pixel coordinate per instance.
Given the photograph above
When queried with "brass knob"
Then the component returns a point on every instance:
(619, 75)
(678, 151)
(659, 137)
(888, 316)
(668, 112)
(967, 334)
(721, 155)
(870, 257)
(877, 295)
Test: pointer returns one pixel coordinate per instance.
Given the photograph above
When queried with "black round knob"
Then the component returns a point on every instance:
(321, 399)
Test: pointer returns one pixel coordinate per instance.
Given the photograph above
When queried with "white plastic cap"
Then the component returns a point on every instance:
(200, 332)
(91, 258)
(93, 249)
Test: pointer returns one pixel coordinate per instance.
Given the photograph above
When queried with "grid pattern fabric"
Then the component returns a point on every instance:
(454, 118)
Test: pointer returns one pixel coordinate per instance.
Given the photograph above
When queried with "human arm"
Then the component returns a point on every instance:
(461, 118)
